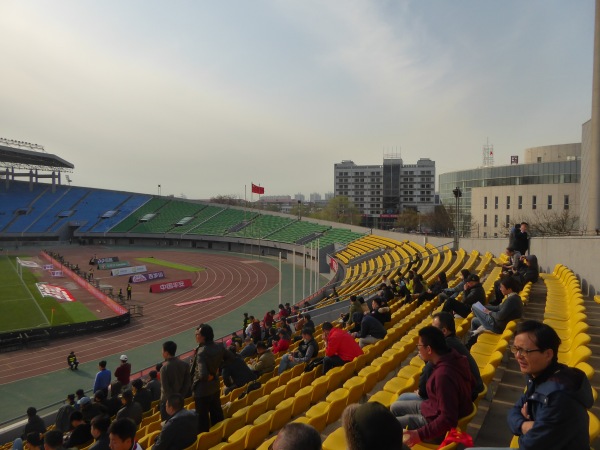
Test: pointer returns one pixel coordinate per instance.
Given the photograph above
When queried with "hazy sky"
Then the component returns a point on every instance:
(206, 97)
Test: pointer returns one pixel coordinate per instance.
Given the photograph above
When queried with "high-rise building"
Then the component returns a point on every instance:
(382, 192)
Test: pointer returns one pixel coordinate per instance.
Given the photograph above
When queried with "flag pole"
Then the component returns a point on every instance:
(304, 272)
(280, 301)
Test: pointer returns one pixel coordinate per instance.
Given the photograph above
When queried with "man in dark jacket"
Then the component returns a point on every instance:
(174, 376)
(371, 331)
(473, 293)
(141, 394)
(181, 430)
(81, 433)
(99, 429)
(153, 385)
(235, 372)
(307, 350)
(205, 364)
(495, 318)
(130, 409)
(552, 413)
(449, 389)
(63, 416)
(519, 237)
(35, 424)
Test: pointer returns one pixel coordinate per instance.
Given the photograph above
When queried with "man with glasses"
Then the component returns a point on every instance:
(552, 413)
(449, 389)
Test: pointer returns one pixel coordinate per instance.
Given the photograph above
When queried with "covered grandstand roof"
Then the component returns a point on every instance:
(29, 159)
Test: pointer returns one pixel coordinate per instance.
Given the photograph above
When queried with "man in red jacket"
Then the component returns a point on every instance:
(340, 347)
(449, 390)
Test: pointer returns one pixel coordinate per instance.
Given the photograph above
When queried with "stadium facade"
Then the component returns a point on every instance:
(547, 185)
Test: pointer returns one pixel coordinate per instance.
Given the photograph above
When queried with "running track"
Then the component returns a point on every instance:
(237, 279)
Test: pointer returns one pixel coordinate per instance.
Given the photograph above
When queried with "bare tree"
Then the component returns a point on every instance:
(553, 223)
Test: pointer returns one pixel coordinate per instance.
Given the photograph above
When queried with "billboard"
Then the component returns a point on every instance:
(128, 270)
(143, 277)
(170, 286)
(113, 265)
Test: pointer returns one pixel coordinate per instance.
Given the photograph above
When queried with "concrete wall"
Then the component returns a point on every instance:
(549, 153)
(579, 253)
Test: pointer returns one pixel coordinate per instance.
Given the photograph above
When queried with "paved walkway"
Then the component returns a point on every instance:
(50, 388)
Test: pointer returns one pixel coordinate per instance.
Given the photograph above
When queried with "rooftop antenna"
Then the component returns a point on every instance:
(488, 154)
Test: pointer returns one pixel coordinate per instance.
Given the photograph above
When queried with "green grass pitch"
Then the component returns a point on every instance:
(22, 306)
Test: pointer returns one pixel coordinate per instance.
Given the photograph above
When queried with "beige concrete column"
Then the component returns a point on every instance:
(592, 203)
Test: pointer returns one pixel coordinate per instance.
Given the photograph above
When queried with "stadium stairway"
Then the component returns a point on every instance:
(489, 428)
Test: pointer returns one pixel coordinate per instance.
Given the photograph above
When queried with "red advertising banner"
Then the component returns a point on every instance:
(170, 286)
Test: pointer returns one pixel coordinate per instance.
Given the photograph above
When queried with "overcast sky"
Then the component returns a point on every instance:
(204, 98)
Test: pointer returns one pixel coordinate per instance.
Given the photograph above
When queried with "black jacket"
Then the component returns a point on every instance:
(179, 432)
(236, 372)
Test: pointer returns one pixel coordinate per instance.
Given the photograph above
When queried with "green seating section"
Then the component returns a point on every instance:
(338, 235)
(220, 223)
(297, 231)
(132, 220)
(202, 216)
(263, 225)
(168, 216)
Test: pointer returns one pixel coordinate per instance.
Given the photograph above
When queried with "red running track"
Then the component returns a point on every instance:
(237, 279)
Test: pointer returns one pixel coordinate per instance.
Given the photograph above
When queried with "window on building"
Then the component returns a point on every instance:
(484, 202)
(496, 202)
(534, 202)
(520, 202)
(507, 220)
(495, 220)
(508, 202)
(549, 202)
(566, 202)
(485, 220)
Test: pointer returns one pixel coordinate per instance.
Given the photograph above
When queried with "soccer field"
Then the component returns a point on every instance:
(23, 307)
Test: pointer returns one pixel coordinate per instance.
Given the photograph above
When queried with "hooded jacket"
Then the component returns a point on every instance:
(449, 395)
(557, 401)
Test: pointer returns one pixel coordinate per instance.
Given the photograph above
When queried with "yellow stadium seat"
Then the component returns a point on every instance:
(209, 439)
(336, 440)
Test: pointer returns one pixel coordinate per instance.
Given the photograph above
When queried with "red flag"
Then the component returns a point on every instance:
(257, 189)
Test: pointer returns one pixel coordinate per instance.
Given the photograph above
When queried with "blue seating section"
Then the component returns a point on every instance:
(17, 197)
(44, 206)
(62, 200)
(92, 206)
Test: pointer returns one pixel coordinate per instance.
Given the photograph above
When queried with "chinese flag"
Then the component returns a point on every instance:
(257, 189)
